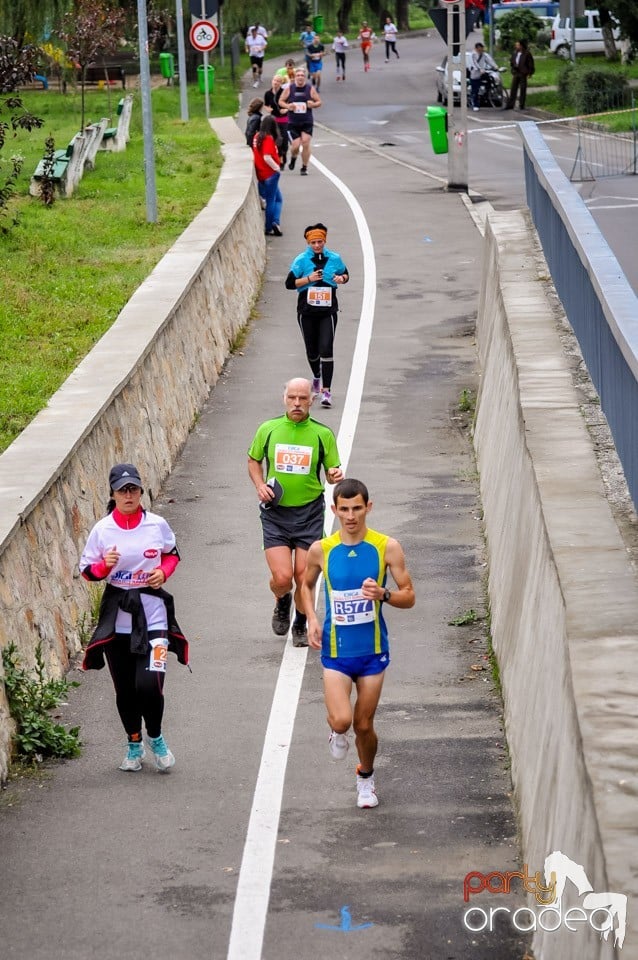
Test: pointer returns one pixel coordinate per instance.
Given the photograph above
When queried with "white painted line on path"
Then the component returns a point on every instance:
(255, 874)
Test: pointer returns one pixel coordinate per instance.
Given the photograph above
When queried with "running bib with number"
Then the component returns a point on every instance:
(301, 106)
(350, 607)
(159, 654)
(319, 296)
(292, 458)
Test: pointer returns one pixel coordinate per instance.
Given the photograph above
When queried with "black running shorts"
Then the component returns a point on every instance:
(293, 526)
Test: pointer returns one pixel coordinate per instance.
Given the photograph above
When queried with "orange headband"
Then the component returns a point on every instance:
(316, 234)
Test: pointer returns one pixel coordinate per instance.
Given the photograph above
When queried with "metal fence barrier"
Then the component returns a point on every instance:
(598, 300)
(602, 152)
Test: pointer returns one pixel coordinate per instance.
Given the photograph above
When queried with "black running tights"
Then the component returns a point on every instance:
(318, 332)
(139, 692)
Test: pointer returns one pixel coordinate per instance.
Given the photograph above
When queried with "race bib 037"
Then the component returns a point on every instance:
(292, 458)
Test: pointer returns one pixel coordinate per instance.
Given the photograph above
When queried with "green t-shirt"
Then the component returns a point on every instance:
(295, 454)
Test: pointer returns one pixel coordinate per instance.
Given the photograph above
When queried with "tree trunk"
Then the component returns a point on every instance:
(343, 15)
(403, 15)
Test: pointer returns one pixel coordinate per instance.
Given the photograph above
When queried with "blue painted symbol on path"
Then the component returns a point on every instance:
(346, 923)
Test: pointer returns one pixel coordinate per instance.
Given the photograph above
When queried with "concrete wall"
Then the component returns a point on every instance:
(133, 398)
(563, 595)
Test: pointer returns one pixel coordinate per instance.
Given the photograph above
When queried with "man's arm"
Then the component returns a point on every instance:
(256, 474)
(314, 567)
(403, 597)
(314, 101)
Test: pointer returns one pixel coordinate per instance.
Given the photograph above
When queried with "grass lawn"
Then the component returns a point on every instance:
(70, 268)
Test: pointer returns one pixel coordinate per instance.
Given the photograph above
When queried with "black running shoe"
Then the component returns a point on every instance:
(304, 171)
(281, 615)
(299, 634)
(291, 165)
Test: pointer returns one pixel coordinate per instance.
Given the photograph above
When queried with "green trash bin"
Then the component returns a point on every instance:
(437, 122)
(167, 65)
(201, 78)
(317, 23)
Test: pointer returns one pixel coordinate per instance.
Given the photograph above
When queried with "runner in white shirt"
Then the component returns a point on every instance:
(340, 45)
(256, 47)
(390, 35)
(133, 551)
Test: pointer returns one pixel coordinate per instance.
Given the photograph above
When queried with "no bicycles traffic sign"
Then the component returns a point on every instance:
(204, 35)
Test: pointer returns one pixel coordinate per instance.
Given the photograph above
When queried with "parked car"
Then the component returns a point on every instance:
(589, 34)
(491, 92)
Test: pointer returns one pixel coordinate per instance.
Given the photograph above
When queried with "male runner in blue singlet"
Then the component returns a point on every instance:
(354, 638)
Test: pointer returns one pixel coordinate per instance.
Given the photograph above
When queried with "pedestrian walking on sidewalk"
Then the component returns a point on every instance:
(267, 168)
(390, 37)
(354, 639)
(134, 552)
(285, 461)
(315, 274)
(300, 99)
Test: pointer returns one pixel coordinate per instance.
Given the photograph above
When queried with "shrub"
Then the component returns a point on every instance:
(589, 90)
(517, 25)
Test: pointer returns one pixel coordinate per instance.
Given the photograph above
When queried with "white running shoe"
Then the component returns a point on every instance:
(164, 759)
(338, 744)
(135, 753)
(366, 794)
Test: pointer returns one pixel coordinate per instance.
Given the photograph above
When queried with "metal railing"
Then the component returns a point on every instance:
(601, 151)
(597, 298)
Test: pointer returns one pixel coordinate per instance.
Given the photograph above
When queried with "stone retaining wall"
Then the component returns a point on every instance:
(133, 398)
(563, 595)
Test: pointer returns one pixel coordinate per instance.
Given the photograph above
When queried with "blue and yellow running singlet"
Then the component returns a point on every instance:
(354, 626)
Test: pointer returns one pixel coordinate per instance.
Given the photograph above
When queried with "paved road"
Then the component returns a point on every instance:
(111, 866)
(385, 110)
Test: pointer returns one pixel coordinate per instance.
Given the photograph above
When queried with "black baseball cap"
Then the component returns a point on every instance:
(278, 491)
(123, 473)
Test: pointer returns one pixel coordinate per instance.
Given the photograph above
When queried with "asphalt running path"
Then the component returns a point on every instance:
(100, 864)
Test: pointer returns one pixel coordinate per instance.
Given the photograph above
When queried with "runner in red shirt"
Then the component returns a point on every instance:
(366, 38)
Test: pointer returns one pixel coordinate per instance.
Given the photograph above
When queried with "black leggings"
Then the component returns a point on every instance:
(318, 332)
(139, 692)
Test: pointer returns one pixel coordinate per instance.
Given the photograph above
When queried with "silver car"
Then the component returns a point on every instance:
(491, 93)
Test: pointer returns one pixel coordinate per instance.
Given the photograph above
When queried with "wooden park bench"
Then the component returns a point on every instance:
(68, 165)
(116, 138)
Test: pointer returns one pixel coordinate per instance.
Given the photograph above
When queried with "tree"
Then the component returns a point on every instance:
(92, 29)
(30, 20)
(626, 12)
(17, 66)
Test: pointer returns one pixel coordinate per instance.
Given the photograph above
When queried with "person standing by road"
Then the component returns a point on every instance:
(253, 119)
(300, 99)
(522, 67)
(134, 551)
(256, 44)
(285, 461)
(340, 46)
(480, 64)
(315, 274)
(271, 104)
(390, 37)
(354, 640)
(366, 37)
(267, 168)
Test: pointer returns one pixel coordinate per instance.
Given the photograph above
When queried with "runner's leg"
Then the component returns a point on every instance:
(337, 688)
(368, 693)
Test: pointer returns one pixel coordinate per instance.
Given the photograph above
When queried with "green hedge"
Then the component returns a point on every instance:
(592, 91)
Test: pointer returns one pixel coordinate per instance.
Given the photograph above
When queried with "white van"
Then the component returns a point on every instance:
(589, 34)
